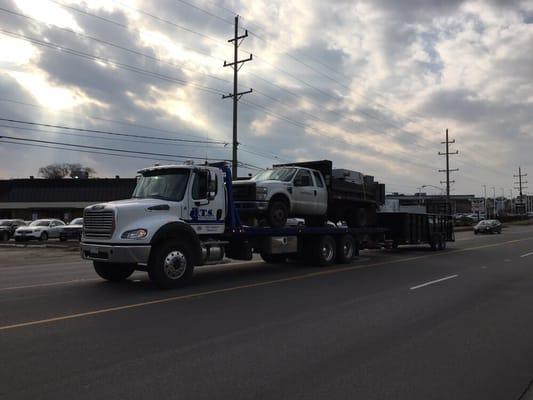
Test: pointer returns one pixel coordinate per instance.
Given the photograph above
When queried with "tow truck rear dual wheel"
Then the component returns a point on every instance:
(171, 264)
(325, 251)
(345, 249)
(113, 272)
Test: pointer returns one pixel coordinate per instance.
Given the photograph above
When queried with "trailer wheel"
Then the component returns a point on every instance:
(170, 265)
(278, 212)
(113, 272)
(274, 258)
(325, 250)
(345, 249)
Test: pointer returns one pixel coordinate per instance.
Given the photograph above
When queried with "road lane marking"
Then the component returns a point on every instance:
(433, 282)
(5, 289)
(527, 254)
(241, 287)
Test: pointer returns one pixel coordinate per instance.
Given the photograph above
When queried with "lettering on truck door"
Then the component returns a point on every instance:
(207, 203)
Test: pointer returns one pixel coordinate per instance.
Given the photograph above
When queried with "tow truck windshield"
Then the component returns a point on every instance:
(276, 174)
(165, 185)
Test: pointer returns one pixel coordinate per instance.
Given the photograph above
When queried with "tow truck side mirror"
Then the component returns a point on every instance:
(211, 186)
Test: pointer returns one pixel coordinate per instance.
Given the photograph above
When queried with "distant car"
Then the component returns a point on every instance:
(488, 226)
(41, 229)
(8, 227)
(72, 230)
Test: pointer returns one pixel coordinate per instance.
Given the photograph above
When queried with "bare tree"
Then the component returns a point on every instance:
(54, 171)
(60, 171)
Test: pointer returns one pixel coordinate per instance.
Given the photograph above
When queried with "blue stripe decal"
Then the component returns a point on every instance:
(197, 222)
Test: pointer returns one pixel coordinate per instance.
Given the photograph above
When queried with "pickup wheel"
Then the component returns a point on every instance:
(345, 249)
(274, 258)
(171, 264)
(113, 272)
(278, 212)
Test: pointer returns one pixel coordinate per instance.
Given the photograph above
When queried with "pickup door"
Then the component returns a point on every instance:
(303, 194)
(321, 194)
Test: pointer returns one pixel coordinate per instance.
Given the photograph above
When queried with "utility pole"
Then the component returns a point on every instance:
(494, 202)
(236, 65)
(485, 201)
(521, 186)
(448, 170)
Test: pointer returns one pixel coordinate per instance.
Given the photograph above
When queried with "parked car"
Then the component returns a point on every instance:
(488, 226)
(8, 227)
(41, 229)
(72, 230)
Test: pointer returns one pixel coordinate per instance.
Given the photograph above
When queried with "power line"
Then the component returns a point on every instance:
(105, 148)
(109, 132)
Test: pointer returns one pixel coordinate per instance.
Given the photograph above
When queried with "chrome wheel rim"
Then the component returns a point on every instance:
(348, 249)
(327, 252)
(175, 264)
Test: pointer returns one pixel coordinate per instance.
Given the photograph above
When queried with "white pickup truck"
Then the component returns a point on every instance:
(283, 192)
(312, 190)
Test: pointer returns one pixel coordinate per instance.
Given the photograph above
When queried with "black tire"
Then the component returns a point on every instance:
(278, 212)
(346, 249)
(324, 251)
(274, 258)
(171, 265)
(43, 237)
(4, 236)
(113, 272)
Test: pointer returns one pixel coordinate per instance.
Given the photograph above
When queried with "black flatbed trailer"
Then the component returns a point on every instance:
(414, 229)
(325, 245)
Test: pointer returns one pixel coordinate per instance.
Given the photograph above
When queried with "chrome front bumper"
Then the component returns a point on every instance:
(115, 254)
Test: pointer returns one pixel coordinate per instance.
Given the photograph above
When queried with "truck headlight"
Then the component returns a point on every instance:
(261, 193)
(134, 234)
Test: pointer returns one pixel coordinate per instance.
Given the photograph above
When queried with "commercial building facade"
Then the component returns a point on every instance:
(31, 199)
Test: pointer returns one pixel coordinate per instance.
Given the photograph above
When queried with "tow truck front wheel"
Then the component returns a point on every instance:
(113, 272)
(170, 265)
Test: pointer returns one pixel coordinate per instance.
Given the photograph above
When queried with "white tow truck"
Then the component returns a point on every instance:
(183, 216)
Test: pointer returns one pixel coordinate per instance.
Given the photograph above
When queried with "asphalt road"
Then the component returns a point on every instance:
(408, 324)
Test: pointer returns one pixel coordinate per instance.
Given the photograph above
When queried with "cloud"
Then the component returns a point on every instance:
(371, 85)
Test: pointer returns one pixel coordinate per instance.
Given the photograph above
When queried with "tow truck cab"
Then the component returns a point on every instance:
(187, 202)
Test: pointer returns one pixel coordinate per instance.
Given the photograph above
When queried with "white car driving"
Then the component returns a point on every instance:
(41, 229)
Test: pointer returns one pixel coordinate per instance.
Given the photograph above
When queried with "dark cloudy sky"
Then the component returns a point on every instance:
(371, 85)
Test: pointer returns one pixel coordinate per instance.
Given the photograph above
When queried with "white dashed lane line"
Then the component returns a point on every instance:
(433, 282)
(527, 255)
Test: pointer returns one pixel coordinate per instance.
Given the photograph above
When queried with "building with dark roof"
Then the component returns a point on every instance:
(65, 199)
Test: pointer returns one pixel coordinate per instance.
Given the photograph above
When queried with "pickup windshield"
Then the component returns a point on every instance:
(165, 185)
(276, 174)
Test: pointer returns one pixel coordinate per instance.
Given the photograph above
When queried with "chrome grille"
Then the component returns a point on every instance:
(98, 224)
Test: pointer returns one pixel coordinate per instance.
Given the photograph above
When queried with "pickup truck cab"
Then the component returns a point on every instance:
(282, 192)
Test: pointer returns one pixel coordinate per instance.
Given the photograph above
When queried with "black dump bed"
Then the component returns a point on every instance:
(406, 228)
(368, 191)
